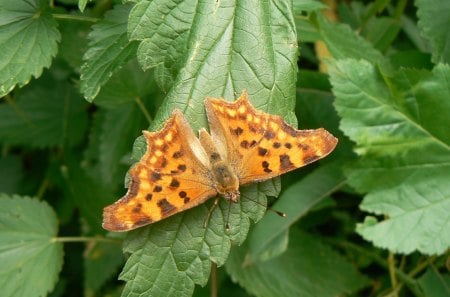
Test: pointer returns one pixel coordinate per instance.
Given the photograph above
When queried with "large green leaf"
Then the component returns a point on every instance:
(169, 257)
(109, 49)
(230, 46)
(400, 126)
(307, 268)
(47, 113)
(31, 258)
(434, 21)
(28, 41)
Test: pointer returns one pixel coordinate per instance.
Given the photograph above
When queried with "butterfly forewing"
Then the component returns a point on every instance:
(262, 146)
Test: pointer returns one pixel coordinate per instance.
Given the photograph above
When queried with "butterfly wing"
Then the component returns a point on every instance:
(173, 175)
(261, 146)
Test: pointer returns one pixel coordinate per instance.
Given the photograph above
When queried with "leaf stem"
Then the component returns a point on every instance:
(86, 239)
(143, 109)
(213, 279)
(61, 16)
(391, 263)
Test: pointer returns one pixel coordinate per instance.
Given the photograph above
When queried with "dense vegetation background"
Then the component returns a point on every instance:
(79, 81)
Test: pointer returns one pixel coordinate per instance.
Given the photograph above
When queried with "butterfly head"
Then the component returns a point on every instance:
(232, 195)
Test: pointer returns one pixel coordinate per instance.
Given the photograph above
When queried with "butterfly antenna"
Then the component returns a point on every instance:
(227, 225)
(280, 213)
(210, 212)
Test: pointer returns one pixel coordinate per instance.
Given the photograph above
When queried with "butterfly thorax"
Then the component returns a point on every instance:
(226, 180)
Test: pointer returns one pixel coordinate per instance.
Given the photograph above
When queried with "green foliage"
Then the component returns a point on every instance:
(370, 219)
(405, 163)
(27, 246)
(28, 41)
(291, 275)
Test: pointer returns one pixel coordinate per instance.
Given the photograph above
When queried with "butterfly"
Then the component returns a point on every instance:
(179, 171)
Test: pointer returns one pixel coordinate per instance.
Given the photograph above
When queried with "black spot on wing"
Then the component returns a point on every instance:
(165, 206)
(285, 162)
(174, 183)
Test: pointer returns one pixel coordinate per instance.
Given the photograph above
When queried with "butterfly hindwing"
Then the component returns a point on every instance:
(172, 176)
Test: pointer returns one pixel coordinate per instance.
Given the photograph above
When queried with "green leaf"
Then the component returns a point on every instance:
(434, 22)
(101, 262)
(11, 174)
(129, 84)
(295, 202)
(120, 127)
(89, 195)
(46, 113)
(405, 154)
(435, 284)
(164, 39)
(28, 42)
(343, 42)
(73, 43)
(297, 272)
(109, 49)
(231, 46)
(31, 258)
(169, 257)
(381, 32)
(223, 56)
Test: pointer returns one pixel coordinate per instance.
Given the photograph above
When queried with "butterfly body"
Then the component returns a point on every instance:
(226, 181)
(179, 171)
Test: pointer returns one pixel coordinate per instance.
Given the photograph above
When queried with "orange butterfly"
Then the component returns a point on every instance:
(180, 171)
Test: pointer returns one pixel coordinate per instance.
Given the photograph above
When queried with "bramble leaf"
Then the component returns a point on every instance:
(27, 246)
(400, 126)
(28, 42)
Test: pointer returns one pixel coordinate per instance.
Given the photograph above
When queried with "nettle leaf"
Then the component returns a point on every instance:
(169, 257)
(399, 125)
(28, 42)
(231, 46)
(163, 39)
(101, 263)
(306, 263)
(31, 258)
(109, 49)
(434, 22)
(46, 113)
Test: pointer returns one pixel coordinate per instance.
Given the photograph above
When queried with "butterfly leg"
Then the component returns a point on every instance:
(216, 202)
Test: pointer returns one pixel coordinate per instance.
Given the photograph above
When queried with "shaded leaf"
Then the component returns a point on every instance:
(434, 283)
(46, 113)
(434, 22)
(343, 42)
(295, 201)
(405, 163)
(27, 231)
(101, 263)
(307, 268)
(28, 42)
